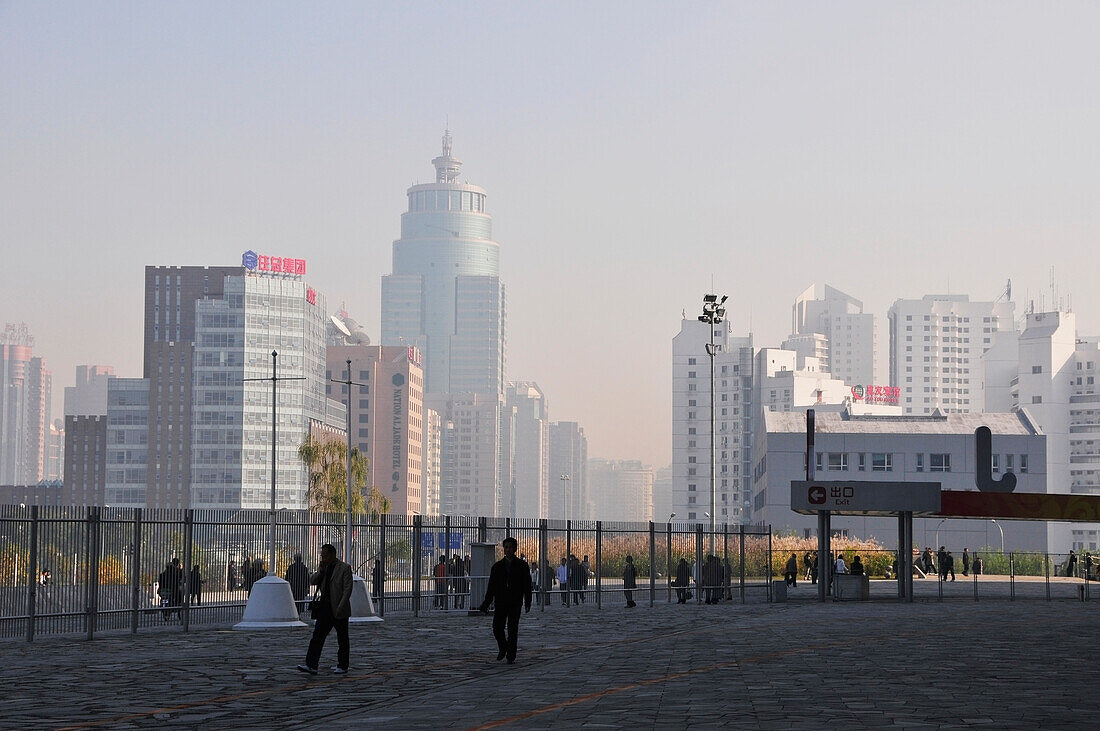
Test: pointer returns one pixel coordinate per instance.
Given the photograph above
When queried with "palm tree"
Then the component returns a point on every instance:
(328, 476)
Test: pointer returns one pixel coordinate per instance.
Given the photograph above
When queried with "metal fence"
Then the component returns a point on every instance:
(87, 570)
(988, 573)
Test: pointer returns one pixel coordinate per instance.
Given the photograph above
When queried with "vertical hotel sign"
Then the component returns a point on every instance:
(398, 382)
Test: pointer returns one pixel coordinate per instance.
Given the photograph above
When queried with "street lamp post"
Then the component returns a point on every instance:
(1002, 534)
(713, 313)
(565, 495)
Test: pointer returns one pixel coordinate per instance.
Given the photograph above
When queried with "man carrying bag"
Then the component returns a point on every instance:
(331, 609)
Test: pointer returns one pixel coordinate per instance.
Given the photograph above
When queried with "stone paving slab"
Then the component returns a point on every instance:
(993, 664)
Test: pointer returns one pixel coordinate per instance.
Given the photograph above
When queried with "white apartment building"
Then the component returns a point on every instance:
(850, 336)
(936, 344)
(786, 381)
(932, 448)
(691, 423)
(526, 428)
(1048, 370)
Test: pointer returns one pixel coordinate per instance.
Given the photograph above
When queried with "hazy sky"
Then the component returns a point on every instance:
(634, 153)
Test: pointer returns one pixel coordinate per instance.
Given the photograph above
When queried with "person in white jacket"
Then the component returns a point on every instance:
(563, 583)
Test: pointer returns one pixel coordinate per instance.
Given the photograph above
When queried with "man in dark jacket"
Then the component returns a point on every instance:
(335, 579)
(683, 581)
(510, 588)
(630, 582)
(297, 575)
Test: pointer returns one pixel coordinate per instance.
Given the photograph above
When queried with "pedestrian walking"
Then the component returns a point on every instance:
(790, 573)
(441, 583)
(546, 581)
(948, 566)
(458, 581)
(563, 582)
(575, 581)
(1071, 564)
(630, 582)
(259, 569)
(334, 581)
(509, 590)
(978, 565)
(808, 562)
(246, 574)
(941, 559)
(378, 580)
(712, 577)
(297, 575)
(170, 588)
(1088, 566)
(194, 587)
(813, 568)
(683, 581)
(231, 577)
(966, 561)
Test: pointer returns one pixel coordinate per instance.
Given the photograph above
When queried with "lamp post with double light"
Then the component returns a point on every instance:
(713, 313)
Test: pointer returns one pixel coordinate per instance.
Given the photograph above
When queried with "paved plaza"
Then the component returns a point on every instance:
(992, 663)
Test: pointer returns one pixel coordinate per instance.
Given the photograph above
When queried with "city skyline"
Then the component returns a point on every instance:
(888, 151)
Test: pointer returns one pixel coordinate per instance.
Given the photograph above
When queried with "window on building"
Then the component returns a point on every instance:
(1037, 369)
(1023, 464)
(838, 461)
(920, 463)
(1009, 461)
(882, 462)
(996, 463)
(1036, 399)
(939, 463)
(862, 462)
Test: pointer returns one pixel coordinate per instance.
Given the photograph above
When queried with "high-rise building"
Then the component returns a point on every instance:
(526, 429)
(470, 454)
(387, 417)
(171, 294)
(850, 335)
(936, 345)
(196, 430)
(567, 483)
(445, 298)
(785, 381)
(25, 390)
(86, 459)
(691, 423)
(89, 396)
(432, 462)
(445, 295)
(1052, 375)
(621, 490)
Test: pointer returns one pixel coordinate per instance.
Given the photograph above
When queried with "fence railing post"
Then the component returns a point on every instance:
(569, 562)
(599, 564)
(91, 577)
(1012, 576)
(1046, 570)
(135, 572)
(382, 556)
(188, 535)
(546, 583)
(415, 565)
(697, 569)
(668, 560)
(446, 551)
(652, 562)
(32, 574)
(741, 568)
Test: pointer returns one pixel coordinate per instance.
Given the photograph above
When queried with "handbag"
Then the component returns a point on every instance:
(314, 605)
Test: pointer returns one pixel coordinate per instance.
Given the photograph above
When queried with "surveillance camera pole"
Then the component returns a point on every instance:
(713, 313)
